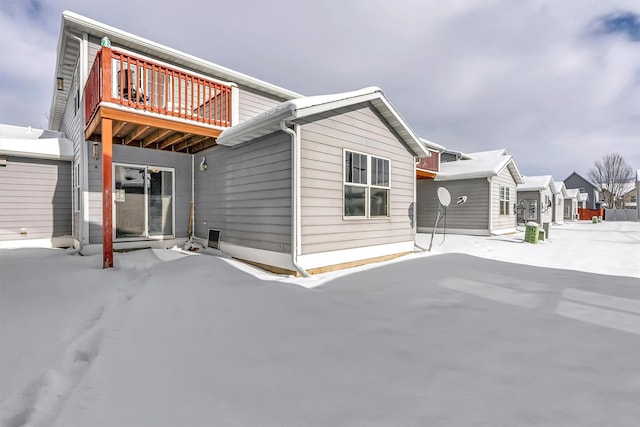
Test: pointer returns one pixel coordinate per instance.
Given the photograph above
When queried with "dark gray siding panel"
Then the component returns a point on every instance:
(35, 194)
(141, 156)
(323, 139)
(246, 193)
(473, 215)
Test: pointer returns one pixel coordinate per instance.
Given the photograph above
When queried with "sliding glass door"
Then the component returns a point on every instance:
(143, 197)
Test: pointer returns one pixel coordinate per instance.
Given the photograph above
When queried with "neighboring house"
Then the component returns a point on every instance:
(35, 188)
(583, 200)
(428, 167)
(627, 199)
(535, 199)
(571, 205)
(488, 180)
(584, 186)
(168, 146)
(558, 202)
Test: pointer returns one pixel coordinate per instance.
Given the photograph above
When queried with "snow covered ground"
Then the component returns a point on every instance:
(170, 338)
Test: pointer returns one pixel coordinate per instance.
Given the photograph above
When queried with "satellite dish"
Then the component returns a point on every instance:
(444, 197)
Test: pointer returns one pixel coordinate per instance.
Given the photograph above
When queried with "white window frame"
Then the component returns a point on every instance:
(367, 186)
(146, 236)
(76, 187)
(505, 200)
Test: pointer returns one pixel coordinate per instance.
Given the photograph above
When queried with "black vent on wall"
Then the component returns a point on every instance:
(214, 239)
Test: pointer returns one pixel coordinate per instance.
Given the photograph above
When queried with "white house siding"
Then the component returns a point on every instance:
(502, 223)
(546, 213)
(558, 204)
(323, 228)
(246, 193)
(252, 103)
(35, 194)
(144, 157)
(472, 216)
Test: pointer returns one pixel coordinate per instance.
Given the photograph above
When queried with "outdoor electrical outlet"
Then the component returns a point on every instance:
(23, 231)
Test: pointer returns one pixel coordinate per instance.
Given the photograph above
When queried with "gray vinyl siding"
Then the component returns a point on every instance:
(181, 162)
(576, 181)
(253, 103)
(503, 222)
(545, 216)
(72, 126)
(94, 48)
(322, 142)
(473, 215)
(246, 193)
(35, 194)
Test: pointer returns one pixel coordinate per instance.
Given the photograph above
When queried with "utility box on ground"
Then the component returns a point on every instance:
(531, 232)
(545, 226)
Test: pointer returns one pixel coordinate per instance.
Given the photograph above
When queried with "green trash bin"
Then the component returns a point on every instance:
(594, 220)
(531, 232)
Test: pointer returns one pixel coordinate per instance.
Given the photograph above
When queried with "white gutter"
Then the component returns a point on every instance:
(295, 194)
(193, 199)
(415, 207)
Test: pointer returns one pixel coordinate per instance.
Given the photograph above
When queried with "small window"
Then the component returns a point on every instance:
(504, 200)
(76, 187)
(366, 185)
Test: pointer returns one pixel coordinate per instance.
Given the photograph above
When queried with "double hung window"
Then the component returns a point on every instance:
(504, 200)
(367, 185)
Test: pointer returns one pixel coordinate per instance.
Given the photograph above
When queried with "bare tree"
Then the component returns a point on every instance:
(610, 174)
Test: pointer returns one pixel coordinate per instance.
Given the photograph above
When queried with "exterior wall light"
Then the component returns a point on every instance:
(203, 164)
(60, 83)
(95, 152)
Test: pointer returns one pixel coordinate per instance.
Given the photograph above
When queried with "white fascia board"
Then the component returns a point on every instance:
(411, 139)
(49, 148)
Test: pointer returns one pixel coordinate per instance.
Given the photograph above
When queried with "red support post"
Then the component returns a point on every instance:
(107, 196)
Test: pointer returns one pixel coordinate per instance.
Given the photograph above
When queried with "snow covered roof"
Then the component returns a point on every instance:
(35, 143)
(572, 193)
(295, 109)
(535, 183)
(560, 188)
(479, 165)
(432, 145)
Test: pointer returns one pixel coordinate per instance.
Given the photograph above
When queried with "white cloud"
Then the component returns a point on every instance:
(526, 76)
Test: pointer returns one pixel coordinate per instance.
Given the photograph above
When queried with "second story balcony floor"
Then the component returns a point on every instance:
(154, 105)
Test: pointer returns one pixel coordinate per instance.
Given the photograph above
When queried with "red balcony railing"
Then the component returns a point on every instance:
(144, 85)
(430, 163)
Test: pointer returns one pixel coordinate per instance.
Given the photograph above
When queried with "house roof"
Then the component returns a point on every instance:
(74, 25)
(295, 109)
(481, 164)
(560, 188)
(572, 193)
(581, 177)
(536, 183)
(432, 145)
(34, 143)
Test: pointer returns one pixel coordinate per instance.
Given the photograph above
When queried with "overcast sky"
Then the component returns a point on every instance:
(556, 83)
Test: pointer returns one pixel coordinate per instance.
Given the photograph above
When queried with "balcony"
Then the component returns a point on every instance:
(152, 105)
(428, 167)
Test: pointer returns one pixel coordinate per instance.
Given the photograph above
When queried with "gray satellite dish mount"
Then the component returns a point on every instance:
(444, 200)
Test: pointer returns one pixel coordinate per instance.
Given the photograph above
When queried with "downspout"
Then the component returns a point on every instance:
(295, 202)
(84, 163)
(490, 180)
(192, 210)
(415, 207)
